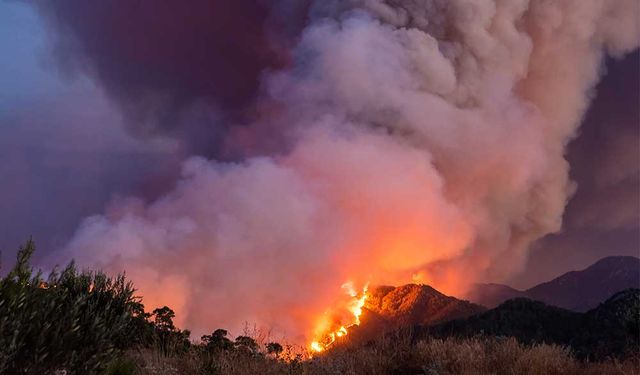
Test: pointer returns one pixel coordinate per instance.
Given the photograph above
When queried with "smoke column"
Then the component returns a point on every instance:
(393, 141)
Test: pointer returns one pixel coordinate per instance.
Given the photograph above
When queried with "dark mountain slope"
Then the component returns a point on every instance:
(610, 330)
(527, 320)
(613, 327)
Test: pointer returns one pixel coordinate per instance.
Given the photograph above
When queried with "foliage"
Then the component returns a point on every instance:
(274, 349)
(169, 339)
(76, 321)
(217, 341)
(246, 344)
(163, 319)
(121, 366)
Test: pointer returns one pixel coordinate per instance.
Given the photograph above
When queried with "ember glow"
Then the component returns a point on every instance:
(332, 325)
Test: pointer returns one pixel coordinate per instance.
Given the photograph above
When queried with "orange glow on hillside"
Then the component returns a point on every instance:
(332, 326)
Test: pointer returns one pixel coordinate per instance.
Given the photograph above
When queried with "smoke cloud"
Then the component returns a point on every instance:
(184, 71)
(416, 141)
(602, 218)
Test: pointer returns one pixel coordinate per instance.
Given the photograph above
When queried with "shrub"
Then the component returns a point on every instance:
(76, 321)
(121, 366)
(217, 341)
(274, 349)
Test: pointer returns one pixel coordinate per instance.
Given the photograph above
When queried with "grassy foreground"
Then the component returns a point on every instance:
(393, 354)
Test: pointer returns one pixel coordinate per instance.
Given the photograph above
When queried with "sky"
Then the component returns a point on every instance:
(75, 141)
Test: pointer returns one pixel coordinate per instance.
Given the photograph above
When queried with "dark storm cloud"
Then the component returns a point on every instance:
(603, 217)
(183, 69)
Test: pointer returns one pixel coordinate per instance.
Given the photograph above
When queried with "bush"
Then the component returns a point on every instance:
(76, 321)
(217, 341)
(121, 366)
(274, 349)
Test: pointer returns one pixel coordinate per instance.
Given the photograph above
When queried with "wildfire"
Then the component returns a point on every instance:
(327, 334)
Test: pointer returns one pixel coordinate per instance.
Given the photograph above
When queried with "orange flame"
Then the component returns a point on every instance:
(327, 333)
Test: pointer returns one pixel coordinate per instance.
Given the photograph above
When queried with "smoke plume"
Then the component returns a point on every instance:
(183, 71)
(389, 141)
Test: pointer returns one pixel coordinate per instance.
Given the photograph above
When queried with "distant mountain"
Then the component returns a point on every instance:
(584, 290)
(414, 304)
(575, 290)
(611, 329)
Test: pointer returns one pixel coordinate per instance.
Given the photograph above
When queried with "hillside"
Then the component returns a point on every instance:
(611, 329)
(389, 308)
(414, 304)
(576, 290)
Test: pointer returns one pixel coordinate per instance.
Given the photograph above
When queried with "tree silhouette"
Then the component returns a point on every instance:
(163, 318)
(217, 341)
(246, 344)
(169, 338)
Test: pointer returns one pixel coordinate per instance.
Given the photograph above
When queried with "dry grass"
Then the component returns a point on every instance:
(395, 354)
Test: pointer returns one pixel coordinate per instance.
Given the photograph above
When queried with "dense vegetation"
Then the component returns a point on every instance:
(70, 320)
(81, 322)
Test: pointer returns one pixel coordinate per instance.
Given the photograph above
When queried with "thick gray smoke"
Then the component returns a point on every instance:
(426, 143)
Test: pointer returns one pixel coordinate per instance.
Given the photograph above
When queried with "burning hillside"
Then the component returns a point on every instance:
(413, 304)
(384, 308)
(381, 141)
(335, 324)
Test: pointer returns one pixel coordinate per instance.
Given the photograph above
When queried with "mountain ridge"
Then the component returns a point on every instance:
(579, 290)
